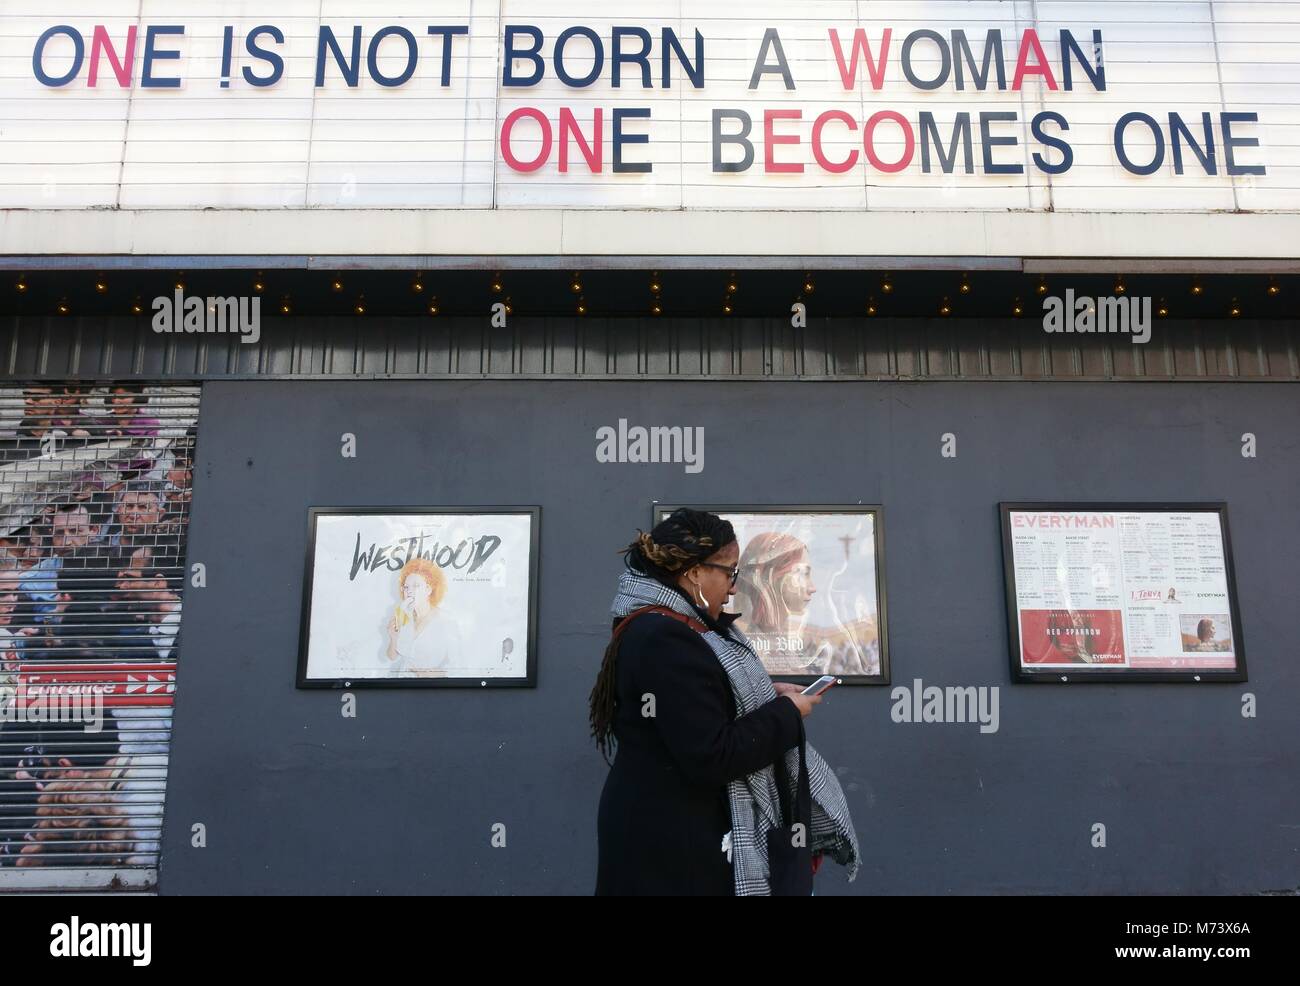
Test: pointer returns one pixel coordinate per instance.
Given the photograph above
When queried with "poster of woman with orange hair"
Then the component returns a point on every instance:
(420, 597)
(808, 590)
(421, 637)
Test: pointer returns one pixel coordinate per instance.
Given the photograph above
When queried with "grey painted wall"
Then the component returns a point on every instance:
(297, 799)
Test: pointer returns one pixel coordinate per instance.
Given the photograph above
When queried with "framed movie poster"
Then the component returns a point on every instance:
(811, 589)
(1121, 592)
(423, 597)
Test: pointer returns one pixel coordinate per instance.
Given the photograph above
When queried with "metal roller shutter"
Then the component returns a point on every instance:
(94, 507)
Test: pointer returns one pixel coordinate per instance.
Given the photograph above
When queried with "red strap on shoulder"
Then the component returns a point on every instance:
(691, 622)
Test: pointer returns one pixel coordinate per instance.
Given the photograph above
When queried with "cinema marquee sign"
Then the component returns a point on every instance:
(577, 56)
(532, 107)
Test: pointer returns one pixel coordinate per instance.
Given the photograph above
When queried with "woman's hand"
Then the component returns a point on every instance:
(390, 651)
(787, 688)
(804, 703)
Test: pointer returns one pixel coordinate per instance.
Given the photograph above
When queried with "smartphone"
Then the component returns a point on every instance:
(820, 685)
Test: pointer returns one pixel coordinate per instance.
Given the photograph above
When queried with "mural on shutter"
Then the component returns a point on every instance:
(94, 505)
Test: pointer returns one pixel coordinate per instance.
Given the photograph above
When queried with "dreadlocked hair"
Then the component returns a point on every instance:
(677, 542)
(603, 701)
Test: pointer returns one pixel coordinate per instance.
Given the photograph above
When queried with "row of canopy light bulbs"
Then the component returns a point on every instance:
(1273, 289)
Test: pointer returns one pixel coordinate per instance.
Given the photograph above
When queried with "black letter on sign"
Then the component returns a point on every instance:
(719, 138)
(620, 138)
(771, 40)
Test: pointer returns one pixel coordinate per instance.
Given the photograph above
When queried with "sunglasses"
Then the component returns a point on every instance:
(733, 571)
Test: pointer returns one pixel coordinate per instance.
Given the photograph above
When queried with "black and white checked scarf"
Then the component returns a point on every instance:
(755, 804)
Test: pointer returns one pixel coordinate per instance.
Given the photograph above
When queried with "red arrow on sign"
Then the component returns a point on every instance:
(121, 685)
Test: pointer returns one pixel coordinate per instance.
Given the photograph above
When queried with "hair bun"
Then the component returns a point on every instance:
(666, 556)
(678, 541)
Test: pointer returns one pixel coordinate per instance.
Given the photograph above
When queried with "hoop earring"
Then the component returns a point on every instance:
(703, 600)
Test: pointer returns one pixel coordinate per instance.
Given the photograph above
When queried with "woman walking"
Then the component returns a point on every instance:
(702, 735)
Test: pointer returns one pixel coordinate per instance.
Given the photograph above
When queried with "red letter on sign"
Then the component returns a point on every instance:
(876, 69)
(569, 126)
(508, 125)
(123, 69)
(1029, 42)
(868, 141)
(770, 140)
(833, 166)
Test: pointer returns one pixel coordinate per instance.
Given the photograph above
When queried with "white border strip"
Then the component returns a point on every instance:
(696, 234)
(53, 878)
